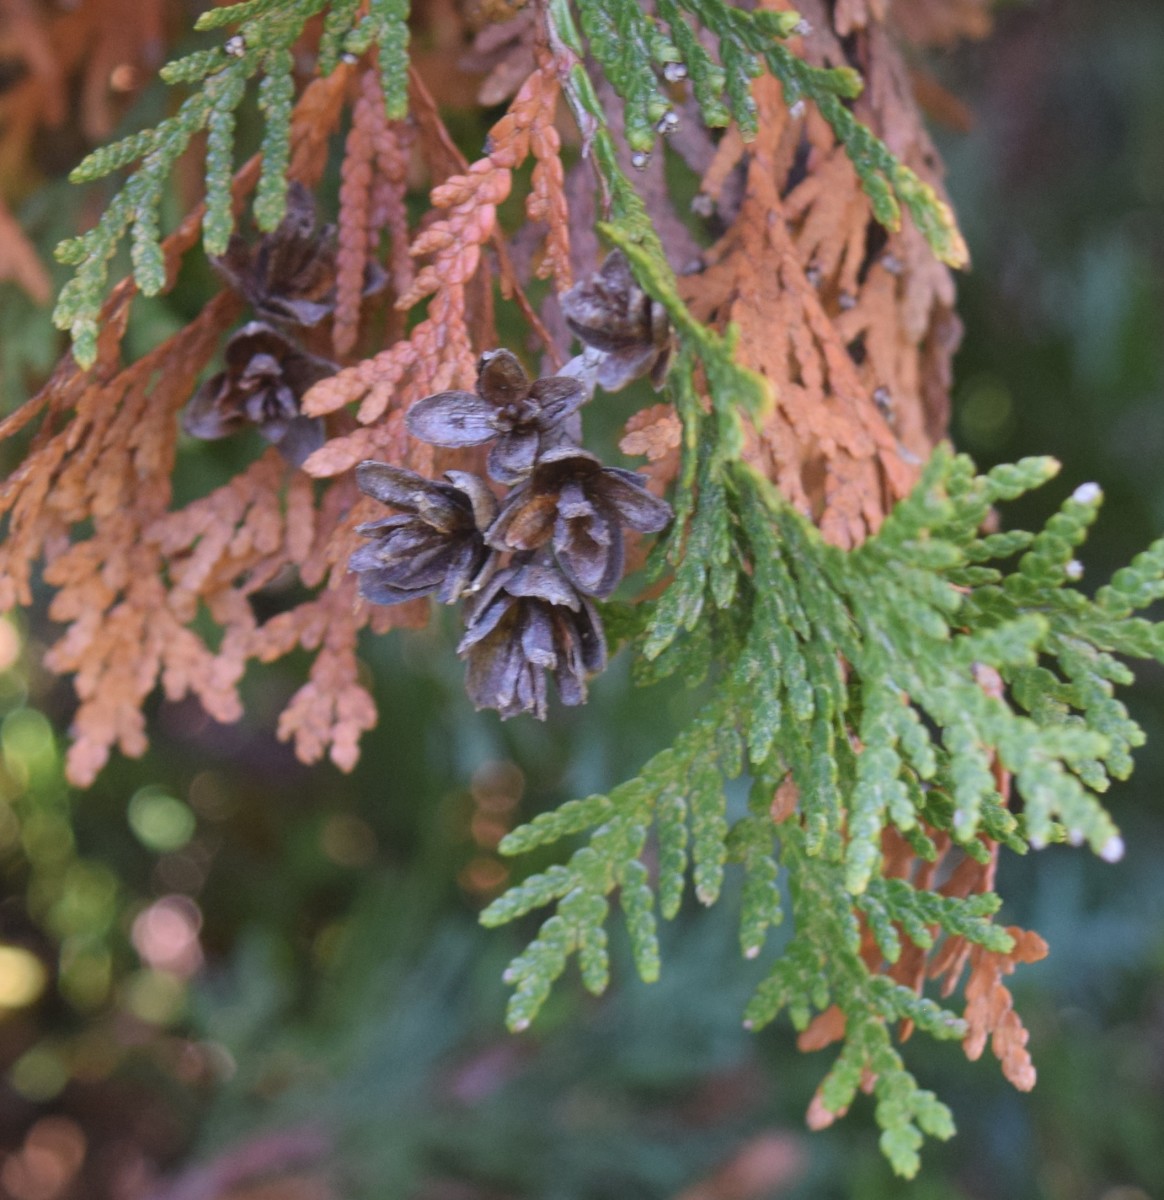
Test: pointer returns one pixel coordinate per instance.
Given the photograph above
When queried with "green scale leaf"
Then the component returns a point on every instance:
(866, 678)
(262, 45)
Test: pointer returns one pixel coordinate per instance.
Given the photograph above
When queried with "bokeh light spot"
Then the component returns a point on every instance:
(86, 972)
(497, 786)
(166, 935)
(22, 977)
(210, 797)
(123, 78)
(47, 838)
(30, 749)
(986, 412)
(348, 840)
(179, 873)
(483, 876)
(53, 1152)
(157, 997)
(87, 900)
(39, 1074)
(160, 821)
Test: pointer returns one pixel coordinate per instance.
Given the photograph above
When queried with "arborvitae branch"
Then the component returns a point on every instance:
(630, 47)
(830, 671)
(267, 29)
(915, 645)
(889, 695)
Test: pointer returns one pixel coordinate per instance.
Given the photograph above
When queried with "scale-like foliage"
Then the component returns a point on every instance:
(882, 671)
(828, 672)
(630, 45)
(831, 672)
(266, 32)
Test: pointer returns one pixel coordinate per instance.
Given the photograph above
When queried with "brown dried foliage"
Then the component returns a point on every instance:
(503, 52)
(767, 1164)
(372, 190)
(441, 352)
(655, 433)
(854, 327)
(989, 1010)
(854, 331)
(131, 585)
(129, 590)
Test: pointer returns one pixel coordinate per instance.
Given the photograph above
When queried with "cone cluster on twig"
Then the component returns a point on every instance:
(530, 565)
(288, 279)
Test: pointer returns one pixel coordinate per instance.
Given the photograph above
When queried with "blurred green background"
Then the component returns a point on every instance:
(223, 974)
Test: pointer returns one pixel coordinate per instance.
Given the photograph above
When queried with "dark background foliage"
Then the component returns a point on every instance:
(255, 969)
